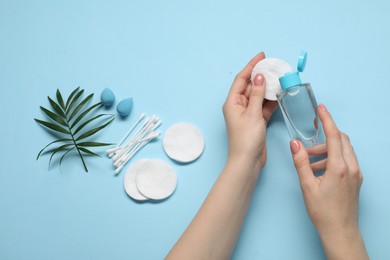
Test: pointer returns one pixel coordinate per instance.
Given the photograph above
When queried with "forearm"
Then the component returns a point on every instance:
(214, 230)
(344, 244)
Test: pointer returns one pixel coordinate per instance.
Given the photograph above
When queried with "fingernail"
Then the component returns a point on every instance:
(259, 79)
(322, 107)
(294, 146)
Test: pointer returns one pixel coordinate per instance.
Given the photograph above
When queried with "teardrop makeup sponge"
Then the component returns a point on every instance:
(183, 142)
(272, 69)
(107, 97)
(124, 107)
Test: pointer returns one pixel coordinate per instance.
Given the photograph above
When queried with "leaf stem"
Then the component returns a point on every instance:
(81, 156)
(75, 144)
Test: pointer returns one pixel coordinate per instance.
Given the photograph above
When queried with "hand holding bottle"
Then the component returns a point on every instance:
(332, 199)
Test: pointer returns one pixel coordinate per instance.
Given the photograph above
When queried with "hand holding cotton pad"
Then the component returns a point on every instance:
(272, 69)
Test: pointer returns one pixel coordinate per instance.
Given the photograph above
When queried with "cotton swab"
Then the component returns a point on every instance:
(121, 154)
(133, 152)
(120, 166)
(150, 137)
(121, 157)
(147, 121)
(128, 157)
(132, 141)
(145, 129)
(111, 152)
(131, 129)
(141, 142)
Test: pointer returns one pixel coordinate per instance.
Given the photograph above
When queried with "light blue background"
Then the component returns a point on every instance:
(177, 59)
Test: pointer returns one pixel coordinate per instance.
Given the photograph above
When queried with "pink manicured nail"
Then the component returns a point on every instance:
(294, 146)
(259, 79)
(322, 106)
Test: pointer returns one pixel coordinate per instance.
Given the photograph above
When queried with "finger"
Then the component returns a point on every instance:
(349, 155)
(320, 165)
(319, 149)
(348, 150)
(269, 108)
(248, 90)
(333, 136)
(256, 96)
(242, 79)
(302, 164)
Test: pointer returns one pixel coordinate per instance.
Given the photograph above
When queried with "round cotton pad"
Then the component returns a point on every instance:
(183, 142)
(272, 69)
(156, 179)
(129, 182)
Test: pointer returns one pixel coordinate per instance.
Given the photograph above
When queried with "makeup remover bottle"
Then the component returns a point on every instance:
(299, 108)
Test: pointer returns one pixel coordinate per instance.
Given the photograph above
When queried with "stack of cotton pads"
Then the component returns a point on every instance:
(272, 69)
(150, 179)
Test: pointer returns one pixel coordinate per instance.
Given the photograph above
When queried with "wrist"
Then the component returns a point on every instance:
(244, 163)
(346, 243)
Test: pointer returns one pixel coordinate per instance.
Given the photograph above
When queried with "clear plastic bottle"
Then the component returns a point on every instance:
(299, 108)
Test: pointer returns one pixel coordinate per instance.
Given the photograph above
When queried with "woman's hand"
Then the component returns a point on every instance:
(214, 231)
(332, 200)
(246, 116)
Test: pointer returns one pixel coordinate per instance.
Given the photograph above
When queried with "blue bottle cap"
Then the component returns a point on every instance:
(302, 61)
(289, 80)
(292, 79)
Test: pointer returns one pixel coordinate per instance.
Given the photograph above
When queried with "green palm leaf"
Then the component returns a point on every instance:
(56, 108)
(71, 97)
(56, 141)
(82, 115)
(93, 131)
(58, 149)
(53, 116)
(85, 150)
(92, 144)
(60, 100)
(74, 100)
(73, 109)
(81, 126)
(80, 106)
(52, 126)
(63, 156)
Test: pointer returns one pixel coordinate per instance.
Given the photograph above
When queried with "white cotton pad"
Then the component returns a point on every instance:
(183, 142)
(272, 69)
(155, 179)
(130, 183)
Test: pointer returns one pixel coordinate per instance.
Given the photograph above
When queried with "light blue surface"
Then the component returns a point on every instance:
(178, 59)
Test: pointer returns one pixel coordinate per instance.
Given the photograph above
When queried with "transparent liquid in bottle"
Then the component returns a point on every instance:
(299, 109)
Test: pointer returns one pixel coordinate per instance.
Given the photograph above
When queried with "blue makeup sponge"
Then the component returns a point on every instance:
(107, 97)
(124, 107)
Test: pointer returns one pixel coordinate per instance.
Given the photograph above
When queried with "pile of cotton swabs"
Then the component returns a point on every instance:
(122, 154)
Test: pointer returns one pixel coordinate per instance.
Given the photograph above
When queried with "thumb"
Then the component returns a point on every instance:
(256, 96)
(302, 164)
